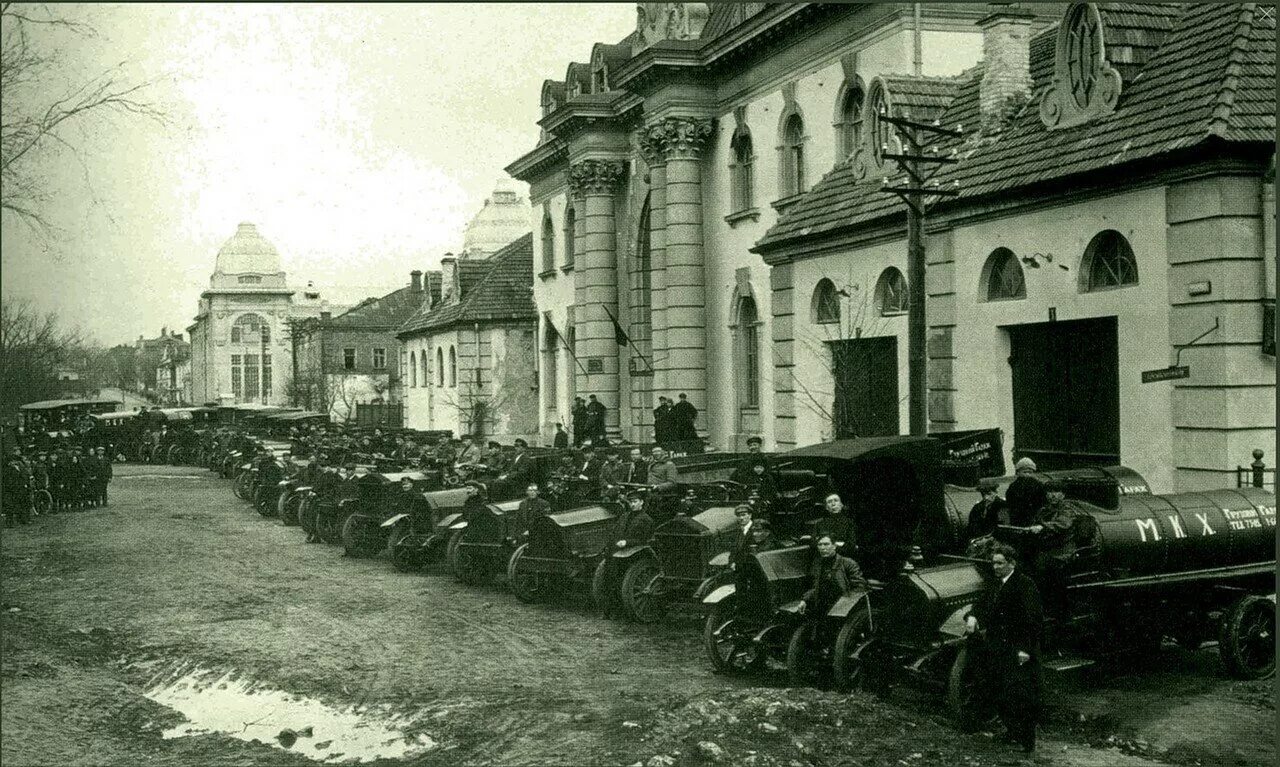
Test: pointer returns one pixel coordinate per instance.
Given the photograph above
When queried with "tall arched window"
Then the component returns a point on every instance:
(1108, 263)
(793, 156)
(1002, 277)
(850, 120)
(439, 366)
(748, 333)
(641, 275)
(548, 243)
(424, 375)
(453, 367)
(250, 329)
(742, 190)
(826, 303)
(891, 292)
(570, 232)
(413, 370)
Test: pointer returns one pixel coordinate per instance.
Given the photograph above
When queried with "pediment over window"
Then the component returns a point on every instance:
(1085, 86)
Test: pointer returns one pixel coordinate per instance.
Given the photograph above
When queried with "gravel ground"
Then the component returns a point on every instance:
(179, 573)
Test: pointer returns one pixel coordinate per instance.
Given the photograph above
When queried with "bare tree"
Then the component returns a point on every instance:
(32, 347)
(38, 105)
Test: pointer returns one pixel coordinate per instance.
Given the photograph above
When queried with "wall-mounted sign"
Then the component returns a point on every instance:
(595, 365)
(638, 368)
(1166, 374)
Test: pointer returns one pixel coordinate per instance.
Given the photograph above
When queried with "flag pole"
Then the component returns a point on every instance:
(617, 326)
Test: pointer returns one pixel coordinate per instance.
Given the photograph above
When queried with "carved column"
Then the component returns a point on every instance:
(595, 182)
(655, 155)
(684, 317)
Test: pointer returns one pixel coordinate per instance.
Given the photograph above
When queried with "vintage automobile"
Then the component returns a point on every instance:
(117, 432)
(379, 496)
(562, 551)
(483, 540)
(299, 474)
(421, 534)
(1191, 566)
(903, 511)
(323, 511)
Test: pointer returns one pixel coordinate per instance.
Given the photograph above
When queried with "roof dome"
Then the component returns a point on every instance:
(247, 252)
(503, 219)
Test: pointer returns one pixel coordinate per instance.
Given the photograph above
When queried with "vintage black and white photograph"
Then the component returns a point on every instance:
(638, 384)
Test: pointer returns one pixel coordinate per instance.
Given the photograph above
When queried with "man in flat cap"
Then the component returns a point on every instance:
(987, 513)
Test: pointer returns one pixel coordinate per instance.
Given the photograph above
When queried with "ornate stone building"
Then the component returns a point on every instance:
(662, 160)
(239, 340)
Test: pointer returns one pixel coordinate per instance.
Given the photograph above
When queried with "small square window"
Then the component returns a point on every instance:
(349, 358)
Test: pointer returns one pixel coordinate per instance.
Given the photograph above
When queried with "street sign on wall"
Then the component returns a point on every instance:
(1166, 374)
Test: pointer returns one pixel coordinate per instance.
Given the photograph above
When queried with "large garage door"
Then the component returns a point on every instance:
(865, 373)
(1066, 392)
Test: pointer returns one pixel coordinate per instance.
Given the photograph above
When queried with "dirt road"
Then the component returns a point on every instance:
(178, 581)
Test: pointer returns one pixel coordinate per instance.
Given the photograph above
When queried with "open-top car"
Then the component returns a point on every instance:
(562, 551)
(420, 533)
(379, 497)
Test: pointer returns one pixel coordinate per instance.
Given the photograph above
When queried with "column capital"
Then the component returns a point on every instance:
(653, 148)
(595, 176)
(680, 137)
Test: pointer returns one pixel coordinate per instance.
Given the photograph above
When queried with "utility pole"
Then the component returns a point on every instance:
(920, 161)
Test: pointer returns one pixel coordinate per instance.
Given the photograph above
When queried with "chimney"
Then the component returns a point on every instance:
(415, 280)
(448, 278)
(1006, 56)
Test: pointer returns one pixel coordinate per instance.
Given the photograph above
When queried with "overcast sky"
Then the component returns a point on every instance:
(359, 139)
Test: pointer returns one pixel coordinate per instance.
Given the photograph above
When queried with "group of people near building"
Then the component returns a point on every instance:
(64, 476)
(674, 421)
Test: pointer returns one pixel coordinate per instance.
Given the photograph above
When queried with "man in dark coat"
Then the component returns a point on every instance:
(685, 414)
(531, 508)
(521, 467)
(831, 577)
(1026, 494)
(988, 513)
(662, 426)
(1012, 619)
(637, 526)
(637, 469)
(90, 478)
(561, 440)
(596, 420)
(105, 473)
(579, 418)
(838, 523)
(589, 467)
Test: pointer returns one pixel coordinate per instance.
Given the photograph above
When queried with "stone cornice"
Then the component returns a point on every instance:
(543, 158)
(596, 177)
(679, 137)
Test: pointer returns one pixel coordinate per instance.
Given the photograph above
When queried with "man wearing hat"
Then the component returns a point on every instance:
(1054, 545)
(531, 508)
(589, 467)
(521, 467)
(987, 513)
(1026, 494)
(663, 470)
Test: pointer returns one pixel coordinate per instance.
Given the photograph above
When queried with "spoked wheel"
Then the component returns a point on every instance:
(329, 526)
(263, 502)
(728, 644)
(965, 698)
(853, 634)
(604, 595)
(807, 659)
(307, 515)
(175, 455)
(406, 554)
(42, 501)
(466, 566)
(241, 487)
(1247, 641)
(642, 605)
(527, 586)
(283, 506)
(357, 540)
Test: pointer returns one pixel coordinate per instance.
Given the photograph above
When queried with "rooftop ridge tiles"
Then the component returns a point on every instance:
(1220, 118)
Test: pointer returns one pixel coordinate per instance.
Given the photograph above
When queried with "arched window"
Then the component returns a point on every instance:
(1002, 277)
(826, 302)
(250, 329)
(891, 292)
(741, 171)
(1108, 263)
(641, 274)
(453, 367)
(548, 243)
(570, 232)
(850, 120)
(793, 156)
(748, 333)
(439, 366)
(423, 374)
(413, 369)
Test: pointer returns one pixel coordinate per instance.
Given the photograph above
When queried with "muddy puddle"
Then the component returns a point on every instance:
(225, 702)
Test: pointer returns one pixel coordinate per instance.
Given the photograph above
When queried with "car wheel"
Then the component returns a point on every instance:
(642, 605)
(853, 634)
(804, 660)
(466, 566)
(727, 646)
(406, 554)
(1247, 640)
(357, 541)
(527, 586)
(965, 699)
(603, 597)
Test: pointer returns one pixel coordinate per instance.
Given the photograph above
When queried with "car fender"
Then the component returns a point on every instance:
(393, 520)
(449, 520)
(631, 552)
(720, 594)
(791, 608)
(720, 560)
(303, 489)
(459, 525)
(954, 625)
(847, 603)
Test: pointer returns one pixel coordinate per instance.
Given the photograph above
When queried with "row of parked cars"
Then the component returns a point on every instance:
(1194, 567)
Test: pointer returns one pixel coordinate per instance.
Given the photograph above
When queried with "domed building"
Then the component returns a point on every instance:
(241, 325)
(503, 219)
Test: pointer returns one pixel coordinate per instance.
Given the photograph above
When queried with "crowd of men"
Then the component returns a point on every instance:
(674, 421)
(64, 476)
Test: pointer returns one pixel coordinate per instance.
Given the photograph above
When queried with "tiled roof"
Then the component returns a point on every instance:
(1213, 74)
(504, 292)
(921, 98)
(726, 16)
(389, 311)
